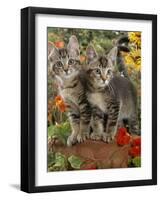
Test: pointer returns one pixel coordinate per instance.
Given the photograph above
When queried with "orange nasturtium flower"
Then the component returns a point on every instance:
(82, 58)
(60, 104)
(59, 44)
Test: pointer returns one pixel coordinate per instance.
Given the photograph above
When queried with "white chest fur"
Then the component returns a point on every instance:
(98, 100)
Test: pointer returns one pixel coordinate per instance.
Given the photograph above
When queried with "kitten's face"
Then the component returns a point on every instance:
(64, 63)
(100, 70)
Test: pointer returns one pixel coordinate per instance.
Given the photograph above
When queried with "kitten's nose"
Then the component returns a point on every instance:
(65, 67)
(103, 78)
(66, 71)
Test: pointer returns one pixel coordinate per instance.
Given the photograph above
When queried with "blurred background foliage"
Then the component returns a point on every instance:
(103, 41)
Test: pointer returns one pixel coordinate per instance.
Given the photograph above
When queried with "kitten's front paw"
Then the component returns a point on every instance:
(81, 138)
(87, 135)
(106, 138)
(71, 140)
(95, 136)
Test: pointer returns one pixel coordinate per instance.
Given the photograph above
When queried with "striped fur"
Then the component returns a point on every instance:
(66, 70)
(109, 95)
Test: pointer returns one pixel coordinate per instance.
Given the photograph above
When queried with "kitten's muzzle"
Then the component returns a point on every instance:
(103, 78)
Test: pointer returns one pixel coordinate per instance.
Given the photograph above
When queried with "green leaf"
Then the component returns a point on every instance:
(61, 131)
(60, 163)
(136, 161)
(75, 162)
(130, 164)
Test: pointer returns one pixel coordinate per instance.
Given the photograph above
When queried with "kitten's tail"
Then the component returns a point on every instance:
(122, 45)
(123, 40)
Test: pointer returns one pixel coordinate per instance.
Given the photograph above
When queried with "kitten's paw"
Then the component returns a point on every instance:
(87, 136)
(95, 136)
(81, 138)
(110, 139)
(71, 140)
(106, 138)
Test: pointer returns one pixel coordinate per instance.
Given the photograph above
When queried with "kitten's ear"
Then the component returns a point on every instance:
(91, 53)
(73, 46)
(114, 53)
(52, 52)
(112, 56)
(50, 47)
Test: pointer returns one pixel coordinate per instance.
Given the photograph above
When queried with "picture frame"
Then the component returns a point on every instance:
(29, 147)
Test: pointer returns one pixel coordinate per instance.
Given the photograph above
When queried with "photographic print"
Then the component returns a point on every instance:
(94, 99)
(88, 99)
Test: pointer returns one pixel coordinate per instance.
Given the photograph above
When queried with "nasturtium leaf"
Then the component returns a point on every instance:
(75, 162)
(60, 162)
(61, 131)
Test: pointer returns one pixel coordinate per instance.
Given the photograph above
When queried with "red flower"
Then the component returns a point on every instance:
(123, 137)
(136, 141)
(135, 151)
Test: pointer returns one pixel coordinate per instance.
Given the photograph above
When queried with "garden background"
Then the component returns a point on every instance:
(61, 157)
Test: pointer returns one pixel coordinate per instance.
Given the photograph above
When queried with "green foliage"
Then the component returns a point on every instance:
(137, 161)
(134, 162)
(75, 162)
(51, 159)
(60, 131)
(101, 39)
(59, 162)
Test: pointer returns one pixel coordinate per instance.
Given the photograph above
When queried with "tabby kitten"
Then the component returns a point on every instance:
(112, 97)
(64, 65)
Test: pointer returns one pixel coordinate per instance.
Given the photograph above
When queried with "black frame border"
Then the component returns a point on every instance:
(28, 98)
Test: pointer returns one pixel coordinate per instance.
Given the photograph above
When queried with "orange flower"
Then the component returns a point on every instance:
(59, 44)
(82, 58)
(59, 102)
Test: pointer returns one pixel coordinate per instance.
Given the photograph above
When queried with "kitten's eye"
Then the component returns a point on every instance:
(97, 71)
(109, 72)
(71, 62)
(59, 64)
